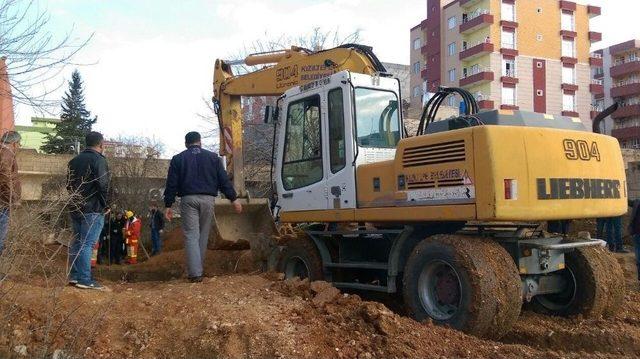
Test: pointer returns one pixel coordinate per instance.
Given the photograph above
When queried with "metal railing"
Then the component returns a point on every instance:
(626, 60)
(509, 73)
(467, 45)
(474, 14)
(626, 82)
(474, 71)
(508, 45)
(596, 82)
(596, 55)
(597, 107)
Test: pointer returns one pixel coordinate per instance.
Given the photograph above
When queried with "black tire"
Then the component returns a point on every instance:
(300, 258)
(596, 286)
(487, 301)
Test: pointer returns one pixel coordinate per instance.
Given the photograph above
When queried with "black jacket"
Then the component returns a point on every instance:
(197, 171)
(88, 178)
(157, 219)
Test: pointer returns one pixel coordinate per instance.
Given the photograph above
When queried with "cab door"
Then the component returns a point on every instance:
(339, 168)
(301, 174)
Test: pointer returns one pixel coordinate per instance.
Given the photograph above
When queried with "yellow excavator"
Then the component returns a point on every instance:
(448, 217)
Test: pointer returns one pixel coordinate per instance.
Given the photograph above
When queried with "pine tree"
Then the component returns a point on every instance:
(75, 120)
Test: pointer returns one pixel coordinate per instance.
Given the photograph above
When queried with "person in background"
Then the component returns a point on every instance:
(634, 230)
(88, 183)
(614, 235)
(132, 236)
(156, 223)
(602, 227)
(116, 235)
(10, 189)
(196, 175)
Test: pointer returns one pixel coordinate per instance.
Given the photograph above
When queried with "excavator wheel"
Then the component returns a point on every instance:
(468, 283)
(300, 258)
(595, 286)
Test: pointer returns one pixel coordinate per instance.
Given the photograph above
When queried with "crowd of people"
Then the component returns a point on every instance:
(119, 241)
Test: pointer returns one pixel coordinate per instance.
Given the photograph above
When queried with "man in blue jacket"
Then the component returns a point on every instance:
(196, 175)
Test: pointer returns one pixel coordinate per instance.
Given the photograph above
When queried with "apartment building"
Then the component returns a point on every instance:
(511, 54)
(616, 73)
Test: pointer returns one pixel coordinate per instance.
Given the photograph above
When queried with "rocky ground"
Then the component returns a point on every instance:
(151, 312)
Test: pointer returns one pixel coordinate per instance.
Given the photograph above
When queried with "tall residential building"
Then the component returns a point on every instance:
(618, 78)
(511, 54)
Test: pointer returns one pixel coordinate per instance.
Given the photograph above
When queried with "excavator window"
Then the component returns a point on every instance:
(377, 121)
(302, 164)
(337, 155)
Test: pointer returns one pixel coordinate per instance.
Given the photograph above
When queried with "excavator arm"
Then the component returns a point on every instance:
(283, 70)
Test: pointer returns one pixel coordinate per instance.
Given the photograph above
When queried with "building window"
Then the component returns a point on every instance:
(452, 101)
(509, 96)
(452, 75)
(509, 68)
(568, 48)
(417, 43)
(508, 39)
(567, 21)
(568, 75)
(452, 22)
(302, 163)
(337, 157)
(569, 102)
(417, 91)
(416, 67)
(508, 12)
(452, 49)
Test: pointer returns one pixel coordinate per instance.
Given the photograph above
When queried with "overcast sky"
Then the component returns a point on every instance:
(151, 61)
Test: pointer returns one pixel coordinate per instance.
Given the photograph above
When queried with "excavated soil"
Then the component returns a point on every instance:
(238, 313)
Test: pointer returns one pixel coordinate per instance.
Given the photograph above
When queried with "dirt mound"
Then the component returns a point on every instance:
(172, 240)
(170, 265)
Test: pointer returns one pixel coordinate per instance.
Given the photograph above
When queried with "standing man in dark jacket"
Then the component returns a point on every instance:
(196, 175)
(116, 236)
(88, 183)
(156, 223)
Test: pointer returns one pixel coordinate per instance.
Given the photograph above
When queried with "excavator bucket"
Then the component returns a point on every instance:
(236, 231)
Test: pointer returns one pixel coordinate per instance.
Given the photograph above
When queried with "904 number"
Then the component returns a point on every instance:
(581, 150)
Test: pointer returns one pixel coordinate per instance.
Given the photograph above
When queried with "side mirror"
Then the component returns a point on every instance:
(269, 114)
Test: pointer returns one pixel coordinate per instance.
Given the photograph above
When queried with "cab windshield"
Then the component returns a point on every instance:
(377, 119)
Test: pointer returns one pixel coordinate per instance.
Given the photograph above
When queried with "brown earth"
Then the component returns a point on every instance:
(238, 313)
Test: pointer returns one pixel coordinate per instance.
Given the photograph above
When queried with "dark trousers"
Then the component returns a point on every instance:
(116, 249)
(610, 229)
(156, 242)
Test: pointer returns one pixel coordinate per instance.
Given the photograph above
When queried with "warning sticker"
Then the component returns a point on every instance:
(442, 193)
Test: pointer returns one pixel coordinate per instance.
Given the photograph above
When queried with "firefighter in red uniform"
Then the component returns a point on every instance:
(132, 236)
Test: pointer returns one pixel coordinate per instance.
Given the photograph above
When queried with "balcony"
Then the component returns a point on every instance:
(594, 11)
(596, 60)
(624, 47)
(481, 77)
(568, 5)
(626, 133)
(626, 67)
(569, 87)
(508, 48)
(509, 23)
(509, 77)
(468, 3)
(476, 21)
(626, 111)
(476, 51)
(595, 36)
(486, 105)
(570, 114)
(596, 86)
(509, 107)
(569, 60)
(626, 88)
(594, 112)
(568, 33)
